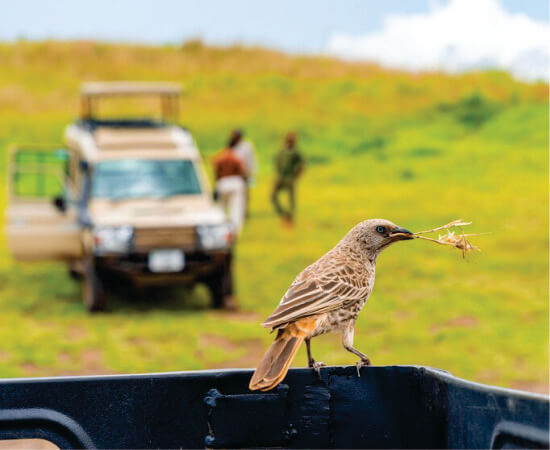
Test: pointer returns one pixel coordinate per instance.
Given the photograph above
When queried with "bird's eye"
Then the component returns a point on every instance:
(380, 229)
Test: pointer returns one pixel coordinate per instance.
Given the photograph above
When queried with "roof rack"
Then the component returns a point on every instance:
(119, 88)
(92, 91)
(93, 124)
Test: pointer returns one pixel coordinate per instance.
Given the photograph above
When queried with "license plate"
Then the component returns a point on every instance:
(166, 261)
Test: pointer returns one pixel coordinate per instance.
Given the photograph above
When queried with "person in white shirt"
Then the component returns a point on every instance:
(231, 176)
(245, 151)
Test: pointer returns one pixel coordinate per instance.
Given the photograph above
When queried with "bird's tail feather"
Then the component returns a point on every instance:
(276, 361)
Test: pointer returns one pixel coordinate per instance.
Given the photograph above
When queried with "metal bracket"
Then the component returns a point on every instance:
(248, 420)
(516, 435)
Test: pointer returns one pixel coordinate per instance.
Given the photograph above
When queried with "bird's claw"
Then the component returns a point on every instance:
(316, 366)
(361, 363)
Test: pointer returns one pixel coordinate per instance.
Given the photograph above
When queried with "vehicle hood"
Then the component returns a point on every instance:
(175, 211)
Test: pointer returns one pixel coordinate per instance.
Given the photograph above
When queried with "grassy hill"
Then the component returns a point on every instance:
(418, 149)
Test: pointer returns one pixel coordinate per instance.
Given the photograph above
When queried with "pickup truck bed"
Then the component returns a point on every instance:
(387, 407)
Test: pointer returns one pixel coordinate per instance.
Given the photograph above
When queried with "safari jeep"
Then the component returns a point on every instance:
(126, 198)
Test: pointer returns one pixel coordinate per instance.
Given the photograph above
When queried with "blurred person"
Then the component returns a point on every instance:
(231, 175)
(245, 150)
(289, 165)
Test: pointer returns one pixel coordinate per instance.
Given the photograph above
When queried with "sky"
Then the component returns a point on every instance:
(452, 35)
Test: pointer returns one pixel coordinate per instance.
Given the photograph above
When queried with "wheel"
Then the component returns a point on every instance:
(93, 293)
(215, 286)
(76, 270)
(74, 274)
(220, 285)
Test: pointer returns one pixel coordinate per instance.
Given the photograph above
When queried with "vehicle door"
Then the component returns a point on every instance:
(41, 215)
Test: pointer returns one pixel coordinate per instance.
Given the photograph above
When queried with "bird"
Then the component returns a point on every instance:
(326, 296)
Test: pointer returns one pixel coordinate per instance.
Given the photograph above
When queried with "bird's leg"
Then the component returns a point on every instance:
(347, 341)
(310, 361)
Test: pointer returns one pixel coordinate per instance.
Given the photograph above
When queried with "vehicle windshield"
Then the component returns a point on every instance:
(139, 178)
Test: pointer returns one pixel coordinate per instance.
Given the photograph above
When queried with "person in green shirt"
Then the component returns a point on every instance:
(289, 165)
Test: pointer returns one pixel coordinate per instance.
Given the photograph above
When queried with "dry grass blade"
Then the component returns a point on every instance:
(458, 241)
(454, 223)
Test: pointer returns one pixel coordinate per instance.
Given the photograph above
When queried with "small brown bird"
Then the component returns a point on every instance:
(326, 296)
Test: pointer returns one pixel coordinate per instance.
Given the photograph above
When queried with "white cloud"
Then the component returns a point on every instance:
(458, 36)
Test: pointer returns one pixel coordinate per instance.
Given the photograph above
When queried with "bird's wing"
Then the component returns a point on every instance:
(316, 292)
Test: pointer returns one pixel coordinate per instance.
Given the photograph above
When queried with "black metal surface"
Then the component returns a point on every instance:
(387, 407)
(93, 124)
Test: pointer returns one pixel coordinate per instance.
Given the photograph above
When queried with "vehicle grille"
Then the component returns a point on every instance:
(146, 239)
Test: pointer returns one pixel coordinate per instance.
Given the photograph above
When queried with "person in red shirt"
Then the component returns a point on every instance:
(231, 176)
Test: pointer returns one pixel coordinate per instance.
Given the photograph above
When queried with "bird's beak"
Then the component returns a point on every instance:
(401, 234)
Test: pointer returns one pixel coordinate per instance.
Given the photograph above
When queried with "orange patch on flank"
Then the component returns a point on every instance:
(306, 325)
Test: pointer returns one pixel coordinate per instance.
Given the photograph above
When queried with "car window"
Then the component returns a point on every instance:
(135, 178)
(39, 173)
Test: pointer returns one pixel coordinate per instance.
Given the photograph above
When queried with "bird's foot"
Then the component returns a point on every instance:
(316, 366)
(361, 363)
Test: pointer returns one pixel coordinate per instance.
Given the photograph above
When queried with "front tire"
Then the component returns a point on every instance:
(220, 285)
(93, 292)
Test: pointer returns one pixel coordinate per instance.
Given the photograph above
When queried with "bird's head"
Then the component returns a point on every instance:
(377, 234)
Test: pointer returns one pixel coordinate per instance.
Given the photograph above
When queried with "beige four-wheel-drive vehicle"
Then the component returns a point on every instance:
(125, 198)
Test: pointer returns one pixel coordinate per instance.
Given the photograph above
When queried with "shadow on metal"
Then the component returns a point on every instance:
(387, 407)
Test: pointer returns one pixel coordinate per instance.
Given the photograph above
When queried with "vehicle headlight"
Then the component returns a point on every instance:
(213, 237)
(113, 239)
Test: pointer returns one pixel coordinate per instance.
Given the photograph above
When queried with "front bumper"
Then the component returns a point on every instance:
(199, 266)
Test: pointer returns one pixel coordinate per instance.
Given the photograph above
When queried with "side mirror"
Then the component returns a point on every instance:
(84, 166)
(60, 203)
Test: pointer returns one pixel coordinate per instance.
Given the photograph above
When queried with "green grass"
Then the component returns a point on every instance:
(419, 150)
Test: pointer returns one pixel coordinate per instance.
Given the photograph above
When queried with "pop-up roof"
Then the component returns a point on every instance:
(168, 92)
(120, 88)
